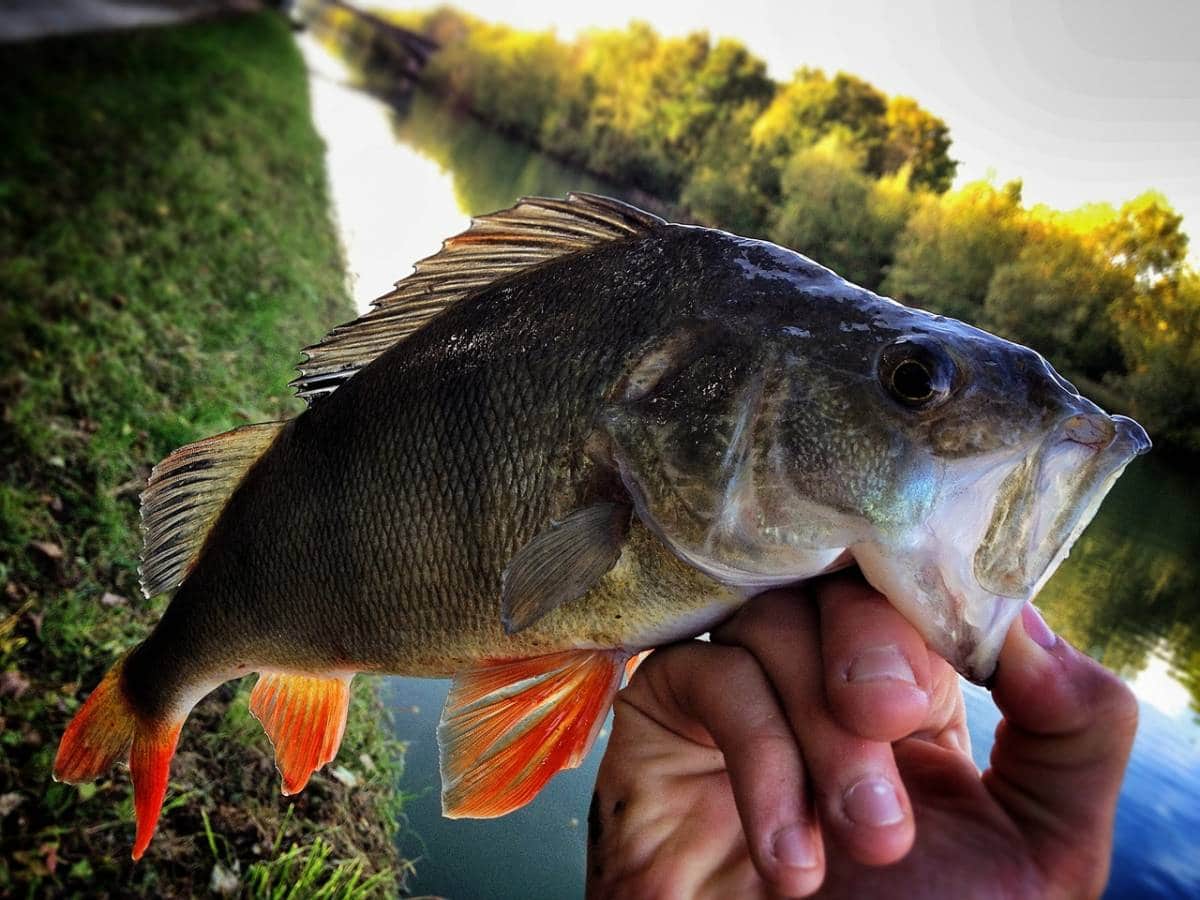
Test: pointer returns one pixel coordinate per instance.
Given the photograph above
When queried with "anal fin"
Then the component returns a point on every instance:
(508, 727)
(304, 716)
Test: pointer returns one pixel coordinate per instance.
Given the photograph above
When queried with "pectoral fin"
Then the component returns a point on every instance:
(507, 728)
(562, 563)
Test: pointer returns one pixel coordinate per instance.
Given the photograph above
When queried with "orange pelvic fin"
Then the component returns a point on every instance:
(508, 727)
(106, 730)
(304, 716)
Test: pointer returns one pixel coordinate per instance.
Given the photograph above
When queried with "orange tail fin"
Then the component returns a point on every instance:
(304, 716)
(106, 730)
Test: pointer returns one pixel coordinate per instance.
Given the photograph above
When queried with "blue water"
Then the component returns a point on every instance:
(540, 851)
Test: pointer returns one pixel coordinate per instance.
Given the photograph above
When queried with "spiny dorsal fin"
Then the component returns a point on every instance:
(186, 494)
(496, 246)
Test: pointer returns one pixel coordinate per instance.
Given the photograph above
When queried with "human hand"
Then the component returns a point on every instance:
(822, 746)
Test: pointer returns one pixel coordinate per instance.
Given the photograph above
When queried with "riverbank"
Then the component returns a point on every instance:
(165, 251)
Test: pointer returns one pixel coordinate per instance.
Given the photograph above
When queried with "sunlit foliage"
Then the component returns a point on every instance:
(856, 179)
(842, 216)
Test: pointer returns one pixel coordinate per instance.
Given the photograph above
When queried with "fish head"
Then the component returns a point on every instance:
(1021, 462)
(797, 423)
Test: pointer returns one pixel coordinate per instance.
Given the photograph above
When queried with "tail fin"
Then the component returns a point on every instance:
(107, 730)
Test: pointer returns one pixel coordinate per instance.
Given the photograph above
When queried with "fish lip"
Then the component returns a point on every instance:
(1059, 487)
(1133, 434)
(1114, 441)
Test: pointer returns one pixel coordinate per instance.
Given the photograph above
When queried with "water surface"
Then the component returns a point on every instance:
(1129, 595)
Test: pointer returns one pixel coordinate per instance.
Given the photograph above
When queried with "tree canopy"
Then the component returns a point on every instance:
(859, 180)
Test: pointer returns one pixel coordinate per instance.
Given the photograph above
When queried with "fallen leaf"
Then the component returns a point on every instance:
(47, 549)
(50, 855)
(224, 882)
(9, 802)
(13, 684)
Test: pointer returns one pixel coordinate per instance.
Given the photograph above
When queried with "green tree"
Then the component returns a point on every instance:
(952, 245)
(1159, 330)
(812, 105)
(920, 141)
(726, 187)
(1158, 323)
(830, 210)
(617, 64)
(894, 134)
(1146, 237)
(1058, 296)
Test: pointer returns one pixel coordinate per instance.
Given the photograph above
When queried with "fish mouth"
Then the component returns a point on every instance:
(990, 547)
(1049, 497)
(1041, 509)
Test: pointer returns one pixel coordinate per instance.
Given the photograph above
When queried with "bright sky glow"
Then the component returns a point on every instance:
(373, 207)
(1159, 687)
(1085, 100)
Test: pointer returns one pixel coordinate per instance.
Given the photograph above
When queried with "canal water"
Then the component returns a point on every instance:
(1129, 595)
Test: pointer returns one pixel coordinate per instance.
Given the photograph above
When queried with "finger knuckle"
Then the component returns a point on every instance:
(1112, 701)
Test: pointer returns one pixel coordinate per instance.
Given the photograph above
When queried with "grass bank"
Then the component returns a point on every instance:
(165, 250)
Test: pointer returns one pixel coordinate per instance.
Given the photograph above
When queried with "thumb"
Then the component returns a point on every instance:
(1061, 751)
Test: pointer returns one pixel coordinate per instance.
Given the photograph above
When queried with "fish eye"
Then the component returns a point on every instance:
(916, 372)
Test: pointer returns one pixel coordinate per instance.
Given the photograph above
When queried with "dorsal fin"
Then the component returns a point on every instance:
(496, 246)
(186, 494)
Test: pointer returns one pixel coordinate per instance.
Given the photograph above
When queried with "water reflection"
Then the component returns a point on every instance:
(1129, 595)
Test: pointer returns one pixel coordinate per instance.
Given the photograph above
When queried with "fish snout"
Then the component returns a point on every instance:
(1133, 435)
(1100, 431)
(1095, 430)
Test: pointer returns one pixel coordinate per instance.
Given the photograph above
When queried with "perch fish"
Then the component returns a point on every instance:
(575, 433)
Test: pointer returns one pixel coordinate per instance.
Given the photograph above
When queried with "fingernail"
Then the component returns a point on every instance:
(1035, 626)
(794, 847)
(879, 664)
(872, 802)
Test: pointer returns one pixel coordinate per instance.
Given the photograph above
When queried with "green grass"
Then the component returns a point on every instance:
(165, 250)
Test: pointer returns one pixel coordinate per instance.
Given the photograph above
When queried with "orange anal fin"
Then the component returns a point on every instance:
(508, 727)
(304, 716)
(149, 766)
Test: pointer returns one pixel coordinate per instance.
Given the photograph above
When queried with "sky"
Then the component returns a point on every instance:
(1084, 100)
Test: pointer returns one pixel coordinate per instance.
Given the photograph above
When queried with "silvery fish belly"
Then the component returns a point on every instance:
(575, 433)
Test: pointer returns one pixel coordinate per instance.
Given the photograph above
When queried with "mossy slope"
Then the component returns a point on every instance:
(165, 250)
